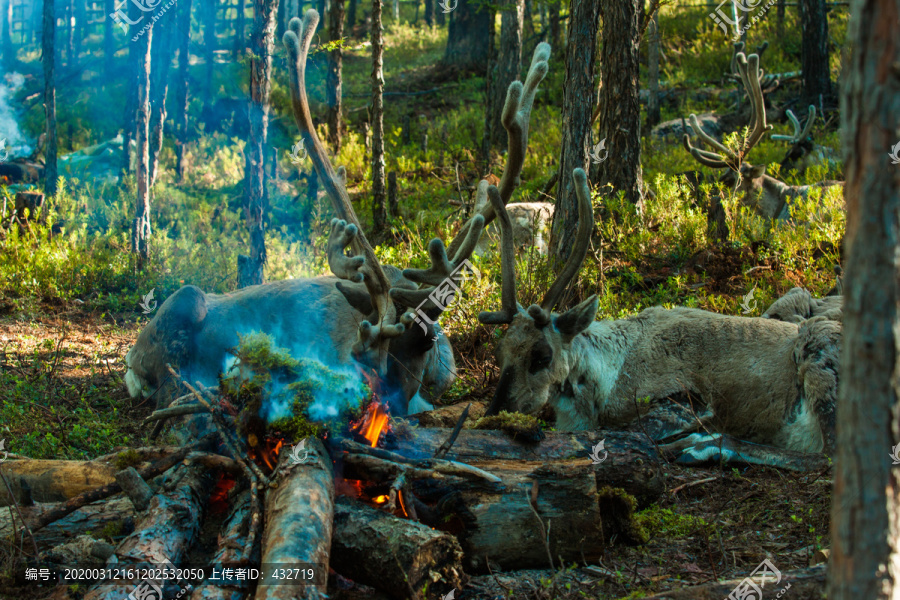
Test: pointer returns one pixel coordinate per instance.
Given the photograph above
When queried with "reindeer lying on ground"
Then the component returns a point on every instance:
(759, 380)
(803, 153)
(350, 316)
(766, 195)
(798, 304)
(531, 227)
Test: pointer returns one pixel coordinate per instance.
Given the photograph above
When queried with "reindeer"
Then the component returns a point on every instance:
(360, 313)
(798, 305)
(766, 195)
(758, 380)
(803, 153)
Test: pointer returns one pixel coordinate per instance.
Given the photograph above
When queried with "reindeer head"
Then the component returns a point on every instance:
(534, 354)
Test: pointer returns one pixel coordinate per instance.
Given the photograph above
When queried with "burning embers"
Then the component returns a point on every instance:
(373, 423)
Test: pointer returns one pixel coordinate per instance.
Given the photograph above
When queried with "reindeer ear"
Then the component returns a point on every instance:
(577, 319)
(757, 171)
(357, 297)
(185, 309)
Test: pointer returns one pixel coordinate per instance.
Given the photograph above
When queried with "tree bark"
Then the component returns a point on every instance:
(48, 57)
(239, 30)
(209, 43)
(181, 89)
(140, 233)
(814, 51)
(653, 112)
(351, 16)
(578, 105)
(333, 82)
(159, 90)
(489, 94)
(262, 44)
(71, 59)
(620, 108)
(378, 190)
(429, 13)
(507, 67)
(467, 37)
(779, 18)
(52, 480)
(109, 41)
(554, 24)
(865, 516)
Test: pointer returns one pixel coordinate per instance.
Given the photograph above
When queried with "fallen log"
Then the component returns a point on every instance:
(298, 528)
(401, 557)
(631, 461)
(230, 550)
(804, 584)
(167, 531)
(448, 416)
(52, 480)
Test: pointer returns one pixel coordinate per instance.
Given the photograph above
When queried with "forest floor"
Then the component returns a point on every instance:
(711, 523)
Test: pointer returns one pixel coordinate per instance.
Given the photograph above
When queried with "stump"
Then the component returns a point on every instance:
(33, 201)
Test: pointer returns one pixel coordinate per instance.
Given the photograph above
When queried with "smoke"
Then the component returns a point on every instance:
(16, 143)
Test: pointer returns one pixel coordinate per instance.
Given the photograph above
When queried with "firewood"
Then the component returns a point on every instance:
(167, 531)
(115, 516)
(447, 416)
(299, 515)
(231, 547)
(53, 480)
(632, 462)
(805, 584)
(395, 555)
(135, 487)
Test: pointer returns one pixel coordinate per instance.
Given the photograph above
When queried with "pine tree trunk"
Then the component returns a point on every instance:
(262, 45)
(282, 19)
(814, 51)
(620, 108)
(489, 94)
(351, 16)
(80, 18)
(467, 37)
(6, 47)
(429, 12)
(48, 57)
(71, 59)
(181, 90)
(378, 190)
(159, 89)
(865, 518)
(507, 68)
(209, 43)
(578, 105)
(653, 112)
(779, 18)
(109, 41)
(140, 234)
(528, 24)
(333, 78)
(554, 24)
(132, 71)
(239, 30)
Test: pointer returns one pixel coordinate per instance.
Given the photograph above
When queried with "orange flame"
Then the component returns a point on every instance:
(381, 499)
(373, 423)
(268, 452)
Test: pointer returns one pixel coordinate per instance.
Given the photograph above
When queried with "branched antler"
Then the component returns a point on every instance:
(748, 68)
(800, 132)
(373, 338)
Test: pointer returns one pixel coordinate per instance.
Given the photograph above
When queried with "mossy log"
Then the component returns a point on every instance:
(299, 516)
(114, 518)
(399, 556)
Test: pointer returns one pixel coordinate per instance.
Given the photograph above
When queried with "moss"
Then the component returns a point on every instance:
(111, 531)
(663, 522)
(258, 351)
(617, 507)
(127, 458)
(521, 427)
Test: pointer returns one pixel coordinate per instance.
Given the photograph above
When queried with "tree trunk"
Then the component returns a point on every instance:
(140, 233)
(653, 113)
(48, 56)
(333, 78)
(159, 90)
(6, 46)
(779, 18)
(80, 18)
(262, 44)
(109, 41)
(865, 516)
(282, 19)
(132, 71)
(239, 30)
(507, 67)
(209, 44)
(489, 95)
(429, 12)
(467, 37)
(71, 59)
(578, 105)
(620, 108)
(554, 25)
(814, 51)
(351, 16)
(181, 90)
(378, 190)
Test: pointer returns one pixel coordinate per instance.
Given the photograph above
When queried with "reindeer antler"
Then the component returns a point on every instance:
(515, 118)
(372, 337)
(800, 132)
(748, 68)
